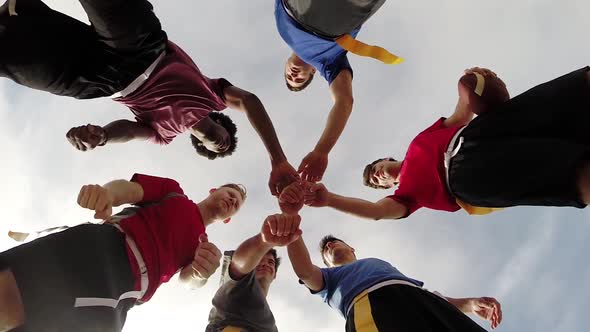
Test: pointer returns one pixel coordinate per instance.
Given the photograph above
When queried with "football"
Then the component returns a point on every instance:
(483, 92)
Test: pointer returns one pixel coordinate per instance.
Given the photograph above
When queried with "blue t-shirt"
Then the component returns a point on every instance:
(328, 58)
(343, 283)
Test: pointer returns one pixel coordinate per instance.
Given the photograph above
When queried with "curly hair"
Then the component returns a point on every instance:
(226, 122)
(368, 173)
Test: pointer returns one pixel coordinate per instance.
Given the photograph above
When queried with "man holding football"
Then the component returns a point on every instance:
(533, 149)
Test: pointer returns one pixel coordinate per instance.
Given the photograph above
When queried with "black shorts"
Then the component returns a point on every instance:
(50, 51)
(332, 18)
(403, 308)
(56, 273)
(527, 151)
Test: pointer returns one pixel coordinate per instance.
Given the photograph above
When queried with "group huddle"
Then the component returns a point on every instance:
(532, 149)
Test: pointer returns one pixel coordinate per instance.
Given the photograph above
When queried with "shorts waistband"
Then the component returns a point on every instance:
(139, 80)
(452, 151)
(376, 287)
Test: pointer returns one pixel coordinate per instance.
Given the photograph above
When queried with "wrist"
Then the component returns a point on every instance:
(277, 160)
(321, 149)
(330, 199)
(105, 138)
(262, 243)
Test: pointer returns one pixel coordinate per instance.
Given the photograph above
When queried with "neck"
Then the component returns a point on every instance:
(264, 287)
(207, 213)
(395, 169)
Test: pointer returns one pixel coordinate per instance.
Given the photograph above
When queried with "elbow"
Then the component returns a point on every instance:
(303, 275)
(347, 102)
(249, 98)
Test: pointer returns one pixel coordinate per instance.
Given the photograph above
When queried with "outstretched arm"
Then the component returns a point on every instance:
(90, 136)
(315, 163)
(487, 308)
(386, 208)
(277, 230)
(306, 271)
(282, 172)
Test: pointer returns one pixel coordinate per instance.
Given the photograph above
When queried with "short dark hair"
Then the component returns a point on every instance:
(299, 88)
(226, 122)
(368, 173)
(239, 187)
(274, 254)
(324, 241)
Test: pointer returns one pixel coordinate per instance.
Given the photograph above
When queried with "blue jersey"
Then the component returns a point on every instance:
(343, 283)
(328, 58)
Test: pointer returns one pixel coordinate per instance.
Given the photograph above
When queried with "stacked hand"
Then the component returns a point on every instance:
(97, 198)
(87, 137)
(281, 175)
(487, 308)
(206, 260)
(281, 229)
(313, 166)
(291, 198)
(316, 195)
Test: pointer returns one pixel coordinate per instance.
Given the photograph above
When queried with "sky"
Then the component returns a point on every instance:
(533, 260)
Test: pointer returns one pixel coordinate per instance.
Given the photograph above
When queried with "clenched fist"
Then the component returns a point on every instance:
(87, 137)
(207, 259)
(97, 198)
(281, 229)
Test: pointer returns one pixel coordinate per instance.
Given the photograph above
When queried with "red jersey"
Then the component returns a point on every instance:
(176, 96)
(422, 181)
(166, 231)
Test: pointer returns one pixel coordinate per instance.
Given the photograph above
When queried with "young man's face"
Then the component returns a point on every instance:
(226, 201)
(380, 174)
(297, 72)
(337, 253)
(265, 270)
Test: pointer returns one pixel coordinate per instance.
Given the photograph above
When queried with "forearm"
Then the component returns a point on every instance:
(262, 123)
(122, 131)
(124, 192)
(335, 125)
(247, 256)
(190, 278)
(300, 259)
(463, 304)
(306, 271)
(355, 206)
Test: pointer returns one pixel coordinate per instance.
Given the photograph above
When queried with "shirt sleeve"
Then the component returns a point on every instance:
(218, 85)
(410, 204)
(156, 188)
(331, 70)
(323, 293)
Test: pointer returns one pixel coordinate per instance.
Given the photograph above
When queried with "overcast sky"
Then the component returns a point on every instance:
(533, 260)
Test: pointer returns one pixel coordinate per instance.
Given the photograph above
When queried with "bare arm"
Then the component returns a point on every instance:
(247, 256)
(315, 163)
(341, 89)
(101, 199)
(386, 208)
(189, 278)
(306, 271)
(282, 172)
(122, 131)
(249, 103)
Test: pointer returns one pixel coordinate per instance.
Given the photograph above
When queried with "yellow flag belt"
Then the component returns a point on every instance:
(376, 52)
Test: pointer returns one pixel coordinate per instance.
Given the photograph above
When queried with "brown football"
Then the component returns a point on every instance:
(483, 93)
